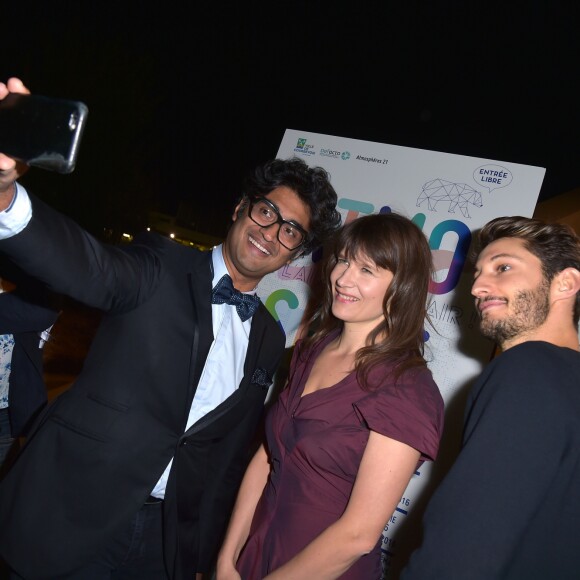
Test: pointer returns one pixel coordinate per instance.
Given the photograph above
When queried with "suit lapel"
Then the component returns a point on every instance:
(257, 345)
(200, 289)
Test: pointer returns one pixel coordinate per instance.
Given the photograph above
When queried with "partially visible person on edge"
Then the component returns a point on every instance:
(133, 471)
(359, 415)
(27, 314)
(510, 506)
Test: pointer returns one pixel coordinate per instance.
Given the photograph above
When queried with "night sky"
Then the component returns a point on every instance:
(186, 98)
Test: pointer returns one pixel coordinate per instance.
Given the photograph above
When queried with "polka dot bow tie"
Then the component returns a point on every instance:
(225, 293)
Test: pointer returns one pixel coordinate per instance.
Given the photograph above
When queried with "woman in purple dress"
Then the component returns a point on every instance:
(360, 413)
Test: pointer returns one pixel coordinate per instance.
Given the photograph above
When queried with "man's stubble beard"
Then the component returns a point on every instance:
(530, 309)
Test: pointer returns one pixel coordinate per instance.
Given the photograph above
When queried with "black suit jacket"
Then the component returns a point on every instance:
(95, 453)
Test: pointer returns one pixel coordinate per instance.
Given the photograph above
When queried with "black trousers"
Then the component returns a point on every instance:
(135, 554)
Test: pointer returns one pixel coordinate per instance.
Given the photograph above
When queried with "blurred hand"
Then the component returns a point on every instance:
(10, 169)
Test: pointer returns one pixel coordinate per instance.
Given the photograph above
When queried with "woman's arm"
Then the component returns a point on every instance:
(250, 492)
(384, 473)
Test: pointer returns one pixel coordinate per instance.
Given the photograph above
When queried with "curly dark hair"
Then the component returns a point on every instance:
(395, 243)
(557, 246)
(311, 184)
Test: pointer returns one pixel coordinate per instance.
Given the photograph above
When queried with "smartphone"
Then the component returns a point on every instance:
(42, 131)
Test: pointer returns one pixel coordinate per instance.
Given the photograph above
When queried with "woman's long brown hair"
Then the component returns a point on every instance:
(395, 243)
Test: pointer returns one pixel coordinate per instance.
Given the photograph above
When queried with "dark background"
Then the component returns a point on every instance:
(185, 98)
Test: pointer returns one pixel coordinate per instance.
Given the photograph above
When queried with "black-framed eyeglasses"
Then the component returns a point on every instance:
(264, 213)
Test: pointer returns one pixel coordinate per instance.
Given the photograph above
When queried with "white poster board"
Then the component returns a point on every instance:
(448, 196)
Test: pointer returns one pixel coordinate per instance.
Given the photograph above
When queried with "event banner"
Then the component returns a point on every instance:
(448, 197)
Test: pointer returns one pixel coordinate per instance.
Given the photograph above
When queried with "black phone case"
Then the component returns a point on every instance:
(42, 131)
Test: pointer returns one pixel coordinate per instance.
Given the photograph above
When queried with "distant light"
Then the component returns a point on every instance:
(172, 235)
(148, 229)
(127, 236)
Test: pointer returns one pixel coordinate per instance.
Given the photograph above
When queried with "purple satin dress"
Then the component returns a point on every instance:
(316, 443)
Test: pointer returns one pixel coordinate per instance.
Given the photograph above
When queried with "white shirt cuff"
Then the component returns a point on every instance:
(16, 217)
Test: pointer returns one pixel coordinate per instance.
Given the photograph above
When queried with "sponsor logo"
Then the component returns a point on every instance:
(329, 153)
(344, 155)
(372, 160)
(303, 147)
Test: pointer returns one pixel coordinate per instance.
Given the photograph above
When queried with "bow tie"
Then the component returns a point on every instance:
(225, 293)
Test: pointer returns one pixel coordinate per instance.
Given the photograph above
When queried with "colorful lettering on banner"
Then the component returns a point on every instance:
(281, 296)
(354, 208)
(450, 260)
(441, 260)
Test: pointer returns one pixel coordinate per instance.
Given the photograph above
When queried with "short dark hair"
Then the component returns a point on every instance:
(313, 187)
(556, 245)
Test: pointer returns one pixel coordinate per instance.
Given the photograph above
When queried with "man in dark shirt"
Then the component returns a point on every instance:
(509, 508)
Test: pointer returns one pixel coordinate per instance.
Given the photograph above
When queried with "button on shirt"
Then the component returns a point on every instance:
(224, 368)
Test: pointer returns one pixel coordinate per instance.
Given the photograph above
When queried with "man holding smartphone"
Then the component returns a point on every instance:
(134, 469)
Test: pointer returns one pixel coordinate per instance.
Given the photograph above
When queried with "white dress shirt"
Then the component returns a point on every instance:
(224, 367)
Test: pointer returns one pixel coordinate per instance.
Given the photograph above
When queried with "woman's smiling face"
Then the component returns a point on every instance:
(359, 287)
